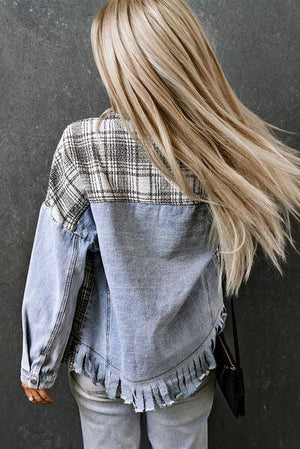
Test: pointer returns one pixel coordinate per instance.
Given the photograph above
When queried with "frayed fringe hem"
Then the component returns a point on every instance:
(184, 379)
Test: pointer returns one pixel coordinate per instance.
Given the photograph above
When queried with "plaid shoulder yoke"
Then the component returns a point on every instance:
(106, 165)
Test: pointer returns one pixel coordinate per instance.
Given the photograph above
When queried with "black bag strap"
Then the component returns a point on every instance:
(235, 334)
(234, 326)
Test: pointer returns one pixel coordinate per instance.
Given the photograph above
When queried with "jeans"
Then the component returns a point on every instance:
(111, 424)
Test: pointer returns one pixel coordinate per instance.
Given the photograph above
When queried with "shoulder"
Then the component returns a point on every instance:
(81, 129)
(83, 140)
(87, 128)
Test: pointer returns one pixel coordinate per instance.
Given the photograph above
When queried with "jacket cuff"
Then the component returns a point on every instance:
(35, 381)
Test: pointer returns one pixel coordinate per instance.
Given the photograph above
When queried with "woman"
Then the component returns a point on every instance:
(147, 210)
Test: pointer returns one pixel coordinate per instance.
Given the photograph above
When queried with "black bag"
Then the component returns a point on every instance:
(229, 372)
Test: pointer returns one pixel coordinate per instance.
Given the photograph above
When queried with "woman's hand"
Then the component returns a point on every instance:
(37, 396)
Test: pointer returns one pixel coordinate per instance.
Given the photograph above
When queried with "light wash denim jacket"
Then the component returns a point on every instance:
(121, 283)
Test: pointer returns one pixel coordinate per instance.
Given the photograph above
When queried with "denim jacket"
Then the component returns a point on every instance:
(121, 283)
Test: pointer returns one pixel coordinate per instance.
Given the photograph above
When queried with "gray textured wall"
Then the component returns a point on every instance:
(49, 80)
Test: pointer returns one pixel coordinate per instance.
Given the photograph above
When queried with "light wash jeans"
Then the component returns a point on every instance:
(112, 424)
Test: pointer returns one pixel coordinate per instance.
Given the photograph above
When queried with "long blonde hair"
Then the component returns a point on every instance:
(163, 77)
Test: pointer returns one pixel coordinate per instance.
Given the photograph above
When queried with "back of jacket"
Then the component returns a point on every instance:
(122, 284)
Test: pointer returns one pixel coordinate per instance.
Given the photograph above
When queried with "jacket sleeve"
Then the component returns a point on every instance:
(64, 233)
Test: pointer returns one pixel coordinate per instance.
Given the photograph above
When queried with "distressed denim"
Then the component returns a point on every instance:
(122, 283)
(110, 424)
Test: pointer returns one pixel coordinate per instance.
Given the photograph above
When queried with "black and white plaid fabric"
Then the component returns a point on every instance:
(66, 194)
(106, 165)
